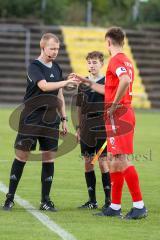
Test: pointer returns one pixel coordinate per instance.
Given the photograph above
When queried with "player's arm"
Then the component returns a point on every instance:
(62, 108)
(79, 116)
(124, 82)
(51, 86)
(98, 88)
(95, 86)
(79, 101)
(62, 111)
(78, 126)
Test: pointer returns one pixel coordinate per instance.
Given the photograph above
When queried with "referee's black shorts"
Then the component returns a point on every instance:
(28, 142)
(34, 129)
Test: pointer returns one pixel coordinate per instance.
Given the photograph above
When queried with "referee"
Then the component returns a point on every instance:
(44, 108)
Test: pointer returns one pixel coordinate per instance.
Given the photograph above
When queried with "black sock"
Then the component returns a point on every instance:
(15, 175)
(46, 179)
(91, 184)
(106, 186)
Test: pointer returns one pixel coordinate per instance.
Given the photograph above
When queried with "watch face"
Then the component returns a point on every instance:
(64, 118)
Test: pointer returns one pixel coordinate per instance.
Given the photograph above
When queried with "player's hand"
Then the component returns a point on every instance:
(78, 135)
(77, 78)
(71, 82)
(64, 130)
(71, 75)
(111, 110)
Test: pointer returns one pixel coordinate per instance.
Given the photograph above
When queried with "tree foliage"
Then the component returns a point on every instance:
(70, 12)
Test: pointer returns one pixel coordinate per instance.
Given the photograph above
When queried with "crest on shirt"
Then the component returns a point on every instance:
(112, 140)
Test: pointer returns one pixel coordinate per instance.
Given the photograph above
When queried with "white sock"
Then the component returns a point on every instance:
(139, 204)
(115, 206)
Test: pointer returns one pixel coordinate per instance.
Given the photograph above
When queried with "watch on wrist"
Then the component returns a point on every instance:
(64, 119)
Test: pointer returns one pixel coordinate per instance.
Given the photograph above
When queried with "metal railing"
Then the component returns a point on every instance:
(20, 28)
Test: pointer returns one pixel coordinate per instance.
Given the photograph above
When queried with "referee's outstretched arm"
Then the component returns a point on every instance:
(50, 86)
(95, 86)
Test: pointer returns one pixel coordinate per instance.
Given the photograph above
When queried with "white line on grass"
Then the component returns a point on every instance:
(44, 219)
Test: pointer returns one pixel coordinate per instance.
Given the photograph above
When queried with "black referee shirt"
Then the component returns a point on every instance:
(38, 71)
(41, 107)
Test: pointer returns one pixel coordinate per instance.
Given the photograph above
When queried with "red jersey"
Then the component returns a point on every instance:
(118, 66)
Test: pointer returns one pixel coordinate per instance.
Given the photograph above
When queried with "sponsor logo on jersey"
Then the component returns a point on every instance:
(51, 76)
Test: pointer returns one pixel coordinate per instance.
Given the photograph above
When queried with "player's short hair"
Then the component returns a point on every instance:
(46, 37)
(116, 34)
(95, 54)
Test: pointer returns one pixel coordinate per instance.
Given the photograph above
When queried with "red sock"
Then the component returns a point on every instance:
(117, 181)
(131, 177)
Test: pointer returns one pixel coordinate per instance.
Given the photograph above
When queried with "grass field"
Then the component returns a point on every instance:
(69, 191)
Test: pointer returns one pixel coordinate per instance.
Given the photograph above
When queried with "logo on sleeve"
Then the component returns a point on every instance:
(120, 70)
(123, 69)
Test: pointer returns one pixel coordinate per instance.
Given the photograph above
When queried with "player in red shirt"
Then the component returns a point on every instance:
(120, 123)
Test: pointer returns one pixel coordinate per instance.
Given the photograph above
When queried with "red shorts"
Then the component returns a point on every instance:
(120, 131)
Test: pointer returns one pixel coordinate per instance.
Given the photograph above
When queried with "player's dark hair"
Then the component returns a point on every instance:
(116, 34)
(95, 54)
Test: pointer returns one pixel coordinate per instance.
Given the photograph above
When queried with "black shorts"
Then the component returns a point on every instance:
(33, 129)
(28, 143)
(93, 136)
(89, 151)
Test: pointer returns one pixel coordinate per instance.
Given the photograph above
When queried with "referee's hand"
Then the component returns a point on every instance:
(77, 78)
(64, 130)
